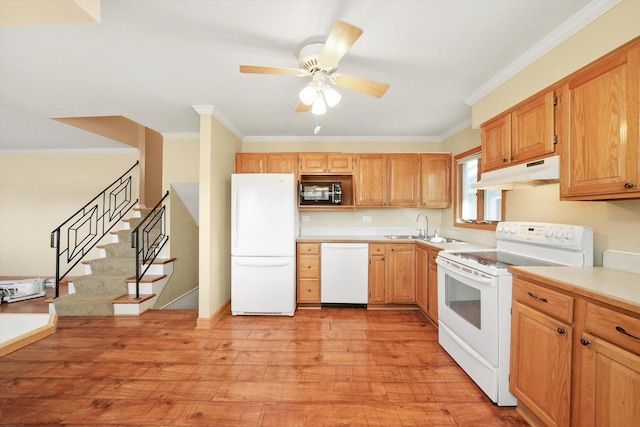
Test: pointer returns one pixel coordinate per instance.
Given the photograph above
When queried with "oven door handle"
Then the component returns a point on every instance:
(477, 279)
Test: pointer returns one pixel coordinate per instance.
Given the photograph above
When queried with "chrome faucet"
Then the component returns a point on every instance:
(425, 231)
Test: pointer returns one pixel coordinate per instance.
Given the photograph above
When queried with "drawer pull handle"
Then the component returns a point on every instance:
(628, 185)
(621, 329)
(584, 341)
(561, 331)
(536, 297)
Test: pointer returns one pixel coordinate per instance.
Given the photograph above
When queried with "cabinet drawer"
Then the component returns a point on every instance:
(308, 248)
(553, 303)
(309, 266)
(309, 290)
(613, 326)
(376, 248)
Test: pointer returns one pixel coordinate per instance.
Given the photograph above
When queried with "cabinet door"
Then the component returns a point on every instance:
(435, 180)
(313, 163)
(610, 381)
(532, 129)
(340, 163)
(422, 276)
(541, 364)
(432, 292)
(403, 173)
(600, 156)
(251, 163)
(371, 179)
(377, 279)
(282, 163)
(496, 143)
(401, 274)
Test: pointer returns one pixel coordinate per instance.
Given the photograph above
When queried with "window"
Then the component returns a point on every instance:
(475, 208)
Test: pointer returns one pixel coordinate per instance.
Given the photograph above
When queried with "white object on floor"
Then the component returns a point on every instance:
(19, 290)
(264, 229)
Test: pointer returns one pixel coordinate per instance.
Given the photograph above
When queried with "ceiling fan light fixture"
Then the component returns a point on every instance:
(308, 94)
(319, 107)
(331, 96)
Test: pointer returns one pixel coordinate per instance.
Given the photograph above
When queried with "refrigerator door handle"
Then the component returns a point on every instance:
(262, 262)
(236, 209)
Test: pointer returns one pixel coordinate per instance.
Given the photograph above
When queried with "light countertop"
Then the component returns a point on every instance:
(383, 239)
(615, 287)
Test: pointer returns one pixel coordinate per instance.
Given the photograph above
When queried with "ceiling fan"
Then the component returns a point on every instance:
(320, 61)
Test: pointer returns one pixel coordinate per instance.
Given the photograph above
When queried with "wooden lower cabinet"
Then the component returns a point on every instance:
(377, 273)
(422, 277)
(610, 379)
(401, 273)
(574, 361)
(308, 266)
(392, 273)
(541, 364)
(432, 287)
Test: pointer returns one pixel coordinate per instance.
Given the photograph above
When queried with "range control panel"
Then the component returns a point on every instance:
(548, 234)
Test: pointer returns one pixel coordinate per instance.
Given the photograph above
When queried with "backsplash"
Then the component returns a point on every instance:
(619, 260)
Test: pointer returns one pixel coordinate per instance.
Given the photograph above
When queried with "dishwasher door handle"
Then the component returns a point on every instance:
(345, 245)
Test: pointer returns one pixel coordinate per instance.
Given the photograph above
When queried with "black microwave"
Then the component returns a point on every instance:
(320, 193)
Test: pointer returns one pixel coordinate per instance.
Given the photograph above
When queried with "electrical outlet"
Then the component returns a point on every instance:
(366, 218)
(306, 218)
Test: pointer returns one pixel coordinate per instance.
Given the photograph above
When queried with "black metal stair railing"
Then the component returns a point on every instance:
(76, 236)
(148, 239)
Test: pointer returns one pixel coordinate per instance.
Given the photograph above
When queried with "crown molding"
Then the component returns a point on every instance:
(455, 129)
(574, 24)
(213, 111)
(306, 138)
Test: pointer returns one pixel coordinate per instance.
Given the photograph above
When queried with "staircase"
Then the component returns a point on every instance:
(109, 286)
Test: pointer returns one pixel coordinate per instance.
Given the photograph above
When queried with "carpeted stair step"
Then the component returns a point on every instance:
(104, 283)
(86, 304)
(119, 250)
(124, 266)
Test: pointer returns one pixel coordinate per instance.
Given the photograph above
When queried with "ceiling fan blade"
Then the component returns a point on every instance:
(341, 38)
(302, 107)
(359, 84)
(256, 69)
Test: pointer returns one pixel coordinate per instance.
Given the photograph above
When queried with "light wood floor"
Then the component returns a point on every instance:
(320, 368)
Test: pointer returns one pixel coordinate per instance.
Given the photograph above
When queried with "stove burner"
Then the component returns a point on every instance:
(498, 259)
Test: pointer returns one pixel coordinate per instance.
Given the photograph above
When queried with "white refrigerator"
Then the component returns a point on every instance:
(264, 229)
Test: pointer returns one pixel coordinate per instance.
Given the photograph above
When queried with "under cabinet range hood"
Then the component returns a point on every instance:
(524, 175)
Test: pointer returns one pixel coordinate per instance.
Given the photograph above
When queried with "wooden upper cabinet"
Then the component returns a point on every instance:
(267, 163)
(532, 129)
(251, 163)
(403, 172)
(435, 173)
(522, 135)
(326, 163)
(600, 129)
(388, 180)
(496, 143)
(371, 179)
(282, 163)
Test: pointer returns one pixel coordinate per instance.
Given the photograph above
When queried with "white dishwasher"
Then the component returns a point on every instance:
(344, 274)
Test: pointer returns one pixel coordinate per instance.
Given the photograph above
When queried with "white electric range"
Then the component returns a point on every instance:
(474, 295)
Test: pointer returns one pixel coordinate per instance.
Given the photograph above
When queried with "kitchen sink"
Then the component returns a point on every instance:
(424, 239)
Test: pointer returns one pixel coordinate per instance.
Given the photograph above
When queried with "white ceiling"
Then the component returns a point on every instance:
(153, 60)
